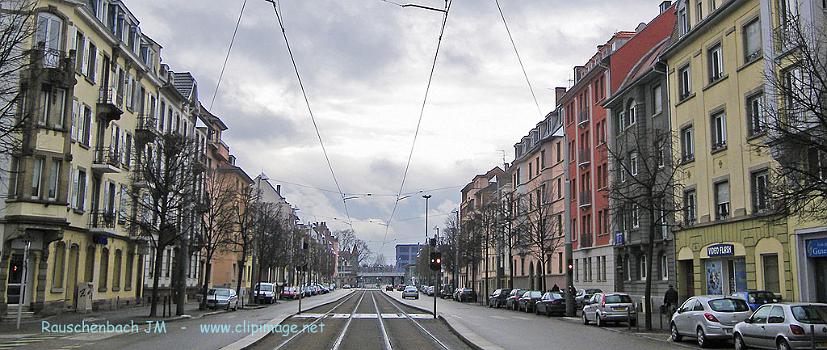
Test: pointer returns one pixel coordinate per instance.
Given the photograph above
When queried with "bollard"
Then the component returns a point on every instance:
(117, 301)
(629, 319)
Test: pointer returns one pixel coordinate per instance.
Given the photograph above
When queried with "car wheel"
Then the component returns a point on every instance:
(676, 337)
(597, 320)
(739, 343)
(782, 345)
(585, 319)
(700, 336)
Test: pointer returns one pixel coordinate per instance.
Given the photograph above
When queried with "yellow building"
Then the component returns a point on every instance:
(94, 79)
(715, 73)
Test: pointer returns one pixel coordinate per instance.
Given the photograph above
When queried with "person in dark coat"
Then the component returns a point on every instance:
(670, 298)
(555, 288)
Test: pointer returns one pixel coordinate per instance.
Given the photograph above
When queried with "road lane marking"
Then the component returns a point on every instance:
(416, 322)
(344, 299)
(385, 339)
(338, 342)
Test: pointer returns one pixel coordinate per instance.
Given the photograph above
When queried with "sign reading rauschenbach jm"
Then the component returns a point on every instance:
(720, 250)
(817, 248)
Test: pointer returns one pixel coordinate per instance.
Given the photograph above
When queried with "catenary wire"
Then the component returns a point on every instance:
(227, 58)
(519, 59)
(421, 113)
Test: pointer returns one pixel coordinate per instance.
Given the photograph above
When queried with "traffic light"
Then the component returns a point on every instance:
(570, 267)
(436, 261)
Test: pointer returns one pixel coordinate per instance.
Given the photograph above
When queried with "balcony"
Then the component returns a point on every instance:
(584, 157)
(582, 117)
(110, 104)
(53, 67)
(585, 199)
(107, 160)
(102, 221)
(146, 129)
(586, 240)
(784, 38)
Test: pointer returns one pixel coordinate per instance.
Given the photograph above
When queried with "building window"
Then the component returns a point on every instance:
(61, 108)
(86, 125)
(633, 166)
(46, 107)
(715, 60)
(628, 268)
(80, 190)
(129, 263)
(657, 99)
(643, 267)
(635, 216)
(687, 145)
(54, 179)
(699, 11)
(116, 274)
(632, 113)
(104, 270)
(664, 267)
(683, 21)
(684, 82)
(722, 200)
(816, 164)
(718, 125)
(752, 40)
(542, 159)
(772, 283)
(59, 268)
(559, 262)
(37, 176)
(760, 183)
(690, 207)
(755, 115)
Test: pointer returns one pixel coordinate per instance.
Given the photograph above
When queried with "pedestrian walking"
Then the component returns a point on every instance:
(670, 298)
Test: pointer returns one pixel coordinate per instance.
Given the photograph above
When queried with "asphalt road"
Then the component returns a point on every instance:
(368, 320)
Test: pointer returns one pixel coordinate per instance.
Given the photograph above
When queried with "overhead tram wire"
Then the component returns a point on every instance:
(519, 59)
(227, 58)
(421, 113)
(309, 110)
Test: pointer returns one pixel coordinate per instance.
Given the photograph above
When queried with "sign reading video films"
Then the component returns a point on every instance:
(720, 250)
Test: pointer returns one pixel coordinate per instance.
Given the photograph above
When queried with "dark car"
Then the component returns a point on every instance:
(552, 303)
(756, 298)
(466, 294)
(583, 295)
(497, 298)
(511, 302)
(446, 291)
(400, 287)
(389, 288)
(527, 301)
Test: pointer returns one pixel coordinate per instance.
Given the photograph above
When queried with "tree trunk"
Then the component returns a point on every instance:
(181, 287)
(206, 286)
(649, 252)
(156, 272)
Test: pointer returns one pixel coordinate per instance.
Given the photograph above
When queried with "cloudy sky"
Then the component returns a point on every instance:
(365, 65)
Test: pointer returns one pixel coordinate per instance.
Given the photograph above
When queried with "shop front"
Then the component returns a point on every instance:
(724, 272)
(812, 261)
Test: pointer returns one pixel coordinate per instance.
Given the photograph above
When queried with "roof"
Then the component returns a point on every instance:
(185, 83)
(208, 118)
(643, 67)
(237, 170)
(488, 175)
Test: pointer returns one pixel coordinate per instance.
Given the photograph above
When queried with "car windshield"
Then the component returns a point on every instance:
(265, 288)
(555, 296)
(728, 305)
(219, 292)
(761, 297)
(535, 294)
(617, 299)
(810, 313)
(592, 291)
(410, 289)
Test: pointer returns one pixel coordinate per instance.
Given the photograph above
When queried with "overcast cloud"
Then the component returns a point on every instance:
(365, 64)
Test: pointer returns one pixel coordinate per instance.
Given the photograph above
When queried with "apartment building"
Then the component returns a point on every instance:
(477, 212)
(715, 66)
(640, 140)
(586, 129)
(537, 174)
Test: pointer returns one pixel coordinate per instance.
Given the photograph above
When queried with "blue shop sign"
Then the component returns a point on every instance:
(720, 250)
(619, 238)
(817, 248)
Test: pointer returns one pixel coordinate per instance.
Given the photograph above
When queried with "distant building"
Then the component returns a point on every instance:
(406, 256)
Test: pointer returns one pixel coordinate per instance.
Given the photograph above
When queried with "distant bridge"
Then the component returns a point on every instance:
(385, 277)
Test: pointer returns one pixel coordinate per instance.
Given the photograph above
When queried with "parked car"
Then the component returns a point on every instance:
(584, 295)
(400, 287)
(266, 292)
(609, 307)
(466, 294)
(526, 302)
(289, 293)
(429, 291)
(552, 303)
(389, 288)
(511, 302)
(410, 292)
(455, 294)
(708, 318)
(756, 298)
(222, 297)
(346, 286)
(324, 289)
(446, 291)
(497, 298)
(783, 326)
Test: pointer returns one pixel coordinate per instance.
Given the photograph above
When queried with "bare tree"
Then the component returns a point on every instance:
(17, 27)
(644, 189)
(449, 246)
(216, 213)
(244, 214)
(541, 229)
(795, 122)
(164, 178)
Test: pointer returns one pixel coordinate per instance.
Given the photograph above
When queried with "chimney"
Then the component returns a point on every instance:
(558, 94)
(278, 189)
(665, 6)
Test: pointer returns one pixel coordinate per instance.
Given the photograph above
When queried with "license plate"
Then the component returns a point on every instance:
(620, 309)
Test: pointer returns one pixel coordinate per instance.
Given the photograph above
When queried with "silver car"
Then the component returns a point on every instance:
(222, 297)
(783, 326)
(708, 317)
(609, 307)
(410, 292)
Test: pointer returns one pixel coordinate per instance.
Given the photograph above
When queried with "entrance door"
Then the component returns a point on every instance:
(71, 280)
(821, 279)
(15, 279)
(689, 273)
